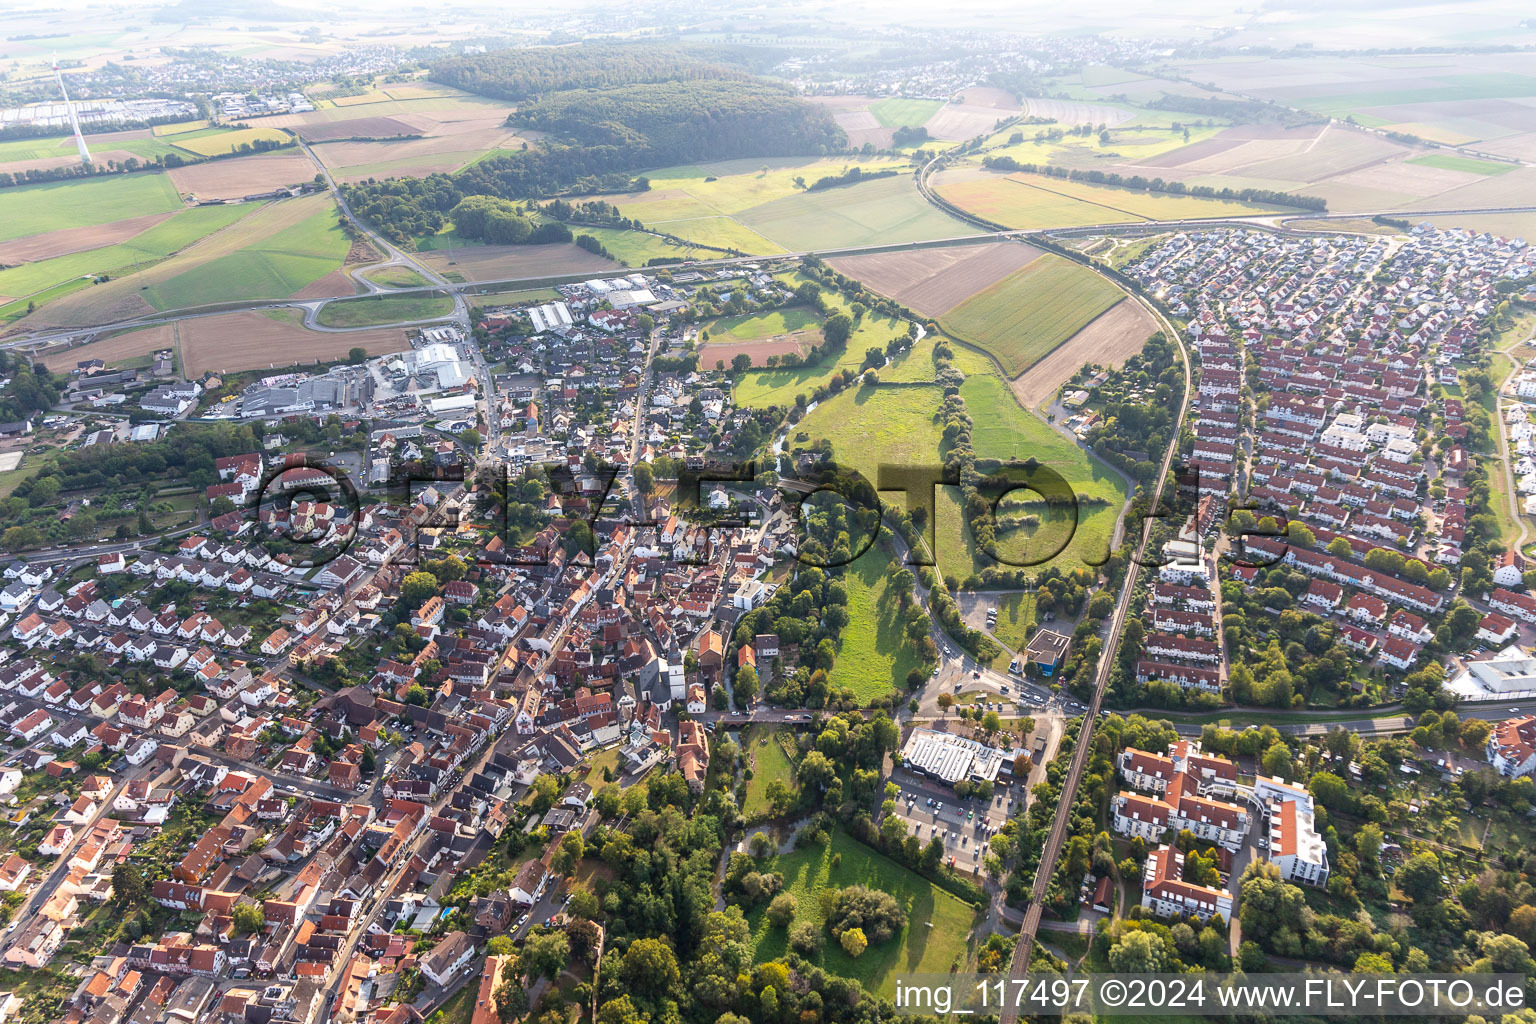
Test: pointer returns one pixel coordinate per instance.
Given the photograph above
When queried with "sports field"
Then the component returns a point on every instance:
(1021, 318)
(936, 936)
(384, 309)
(771, 324)
(56, 206)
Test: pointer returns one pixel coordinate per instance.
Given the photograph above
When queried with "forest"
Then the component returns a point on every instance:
(521, 74)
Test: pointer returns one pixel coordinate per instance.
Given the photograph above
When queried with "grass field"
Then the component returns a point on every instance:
(1016, 618)
(270, 268)
(1021, 318)
(217, 141)
(38, 209)
(145, 248)
(638, 248)
(880, 425)
(1003, 430)
(769, 762)
(885, 210)
(760, 389)
(756, 326)
(936, 939)
(873, 654)
(180, 127)
(1470, 165)
(111, 146)
(515, 297)
(384, 309)
(396, 277)
(896, 112)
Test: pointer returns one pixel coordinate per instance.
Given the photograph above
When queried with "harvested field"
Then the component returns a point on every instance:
(243, 176)
(1507, 225)
(757, 351)
(416, 157)
(1109, 340)
(934, 281)
(359, 128)
(62, 243)
(507, 262)
(1336, 151)
(1070, 112)
(116, 348)
(852, 120)
(254, 341)
(1408, 178)
(956, 122)
(218, 143)
(987, 96)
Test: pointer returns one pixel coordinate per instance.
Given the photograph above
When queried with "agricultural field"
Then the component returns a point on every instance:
(638, 248)
(156, 242)
(895, 112)
(1023, 317)
(232, 342)
(220, 141)
(29, 210)
(1466, 164)
(936, 939)
(935, 281)
(272, 252)
(241, 176)
(873, 653)
(374, 310)
(757, 207)
(1108, 340)
(19, 156)
(510, 262)
(872, 426)
(1016, 205)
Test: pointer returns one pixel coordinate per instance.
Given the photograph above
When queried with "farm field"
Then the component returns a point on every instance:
(934, 281)
(1023, 317)
(880, 425)
(311, 246)
(29, 210)
(769, 762)
(156, 242)
(508, 262)
(938, 924)
(19, 156)
(242, 176)
(1108, 340)
(1509, 225)
(1015, 205)
(219, 141)
(1470, 165)
(895, 112)
(232, 342)
(384, 309)
(873, 653)
(638, 248)
(738, 204)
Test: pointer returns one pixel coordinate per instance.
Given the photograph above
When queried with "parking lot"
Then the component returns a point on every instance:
(964, 826)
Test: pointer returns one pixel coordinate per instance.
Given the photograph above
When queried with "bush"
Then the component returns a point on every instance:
(805, 939)
(875, 915)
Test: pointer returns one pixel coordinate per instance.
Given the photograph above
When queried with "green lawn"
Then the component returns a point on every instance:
(873, 654)
(39, 209)
(895, 112)
(512, 298)
(148, 247)
(1015, 619)
(1021, 318)
(769, 761)
(936, 939)
(384, 309)
(272, 268)
(757, 326)
(1447, 162)
(880, 425)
